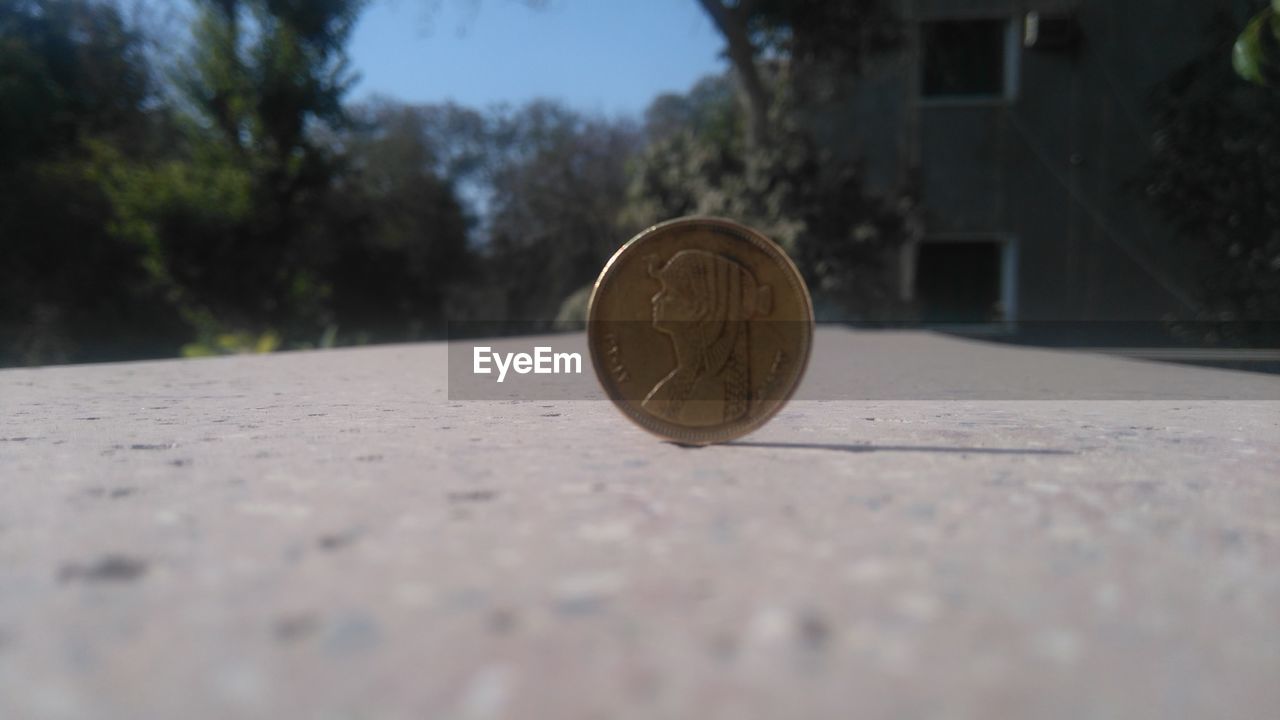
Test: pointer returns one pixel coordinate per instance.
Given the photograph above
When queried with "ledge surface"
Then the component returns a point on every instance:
(328, 535)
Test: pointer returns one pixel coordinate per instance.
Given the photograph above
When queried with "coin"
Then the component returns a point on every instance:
(700, 329)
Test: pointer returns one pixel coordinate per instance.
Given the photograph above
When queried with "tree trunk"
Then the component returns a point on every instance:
(752, 93)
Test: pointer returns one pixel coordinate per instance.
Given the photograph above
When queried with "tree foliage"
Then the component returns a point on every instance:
(263, 76)
(817, 37)
(401, 229)
(232, 204)
(235, 202)
(240, 226)
(541, 188)
(1256, 53)
(557, 192)
(755, 160)
(73, 75)
(840, 235)
(1215, 174)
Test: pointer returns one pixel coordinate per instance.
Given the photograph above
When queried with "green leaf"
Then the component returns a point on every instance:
(1254, 55)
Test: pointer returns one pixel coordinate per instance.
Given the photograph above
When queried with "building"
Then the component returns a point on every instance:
(1026, 123)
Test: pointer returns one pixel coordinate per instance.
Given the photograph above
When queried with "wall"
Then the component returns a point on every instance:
(1052, 167)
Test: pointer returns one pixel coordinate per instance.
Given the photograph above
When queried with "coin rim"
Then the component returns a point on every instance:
(718, 433)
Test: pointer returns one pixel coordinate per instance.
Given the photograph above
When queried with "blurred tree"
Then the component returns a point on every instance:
(542, 185)
(558, 189)
(73, 74)
(402, 230)
(72, 68)
(706, 109)
(235, 227)
(1215, 174)
(459, 140)
(1256, 53)
(756, 161)
(840, 235)
(823, 37)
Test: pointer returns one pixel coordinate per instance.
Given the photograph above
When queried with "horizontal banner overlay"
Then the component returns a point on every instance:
(757, 362)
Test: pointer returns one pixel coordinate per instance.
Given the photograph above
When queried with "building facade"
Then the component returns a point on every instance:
(1026, 125)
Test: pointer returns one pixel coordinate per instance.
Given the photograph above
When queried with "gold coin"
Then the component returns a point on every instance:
(700, 329)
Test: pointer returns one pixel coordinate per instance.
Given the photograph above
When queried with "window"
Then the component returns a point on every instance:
(960, 281)
(964, 58)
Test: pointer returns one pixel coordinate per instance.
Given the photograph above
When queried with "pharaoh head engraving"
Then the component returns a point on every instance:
(704, 305)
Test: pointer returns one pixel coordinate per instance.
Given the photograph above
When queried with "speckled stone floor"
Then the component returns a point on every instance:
(974, 531)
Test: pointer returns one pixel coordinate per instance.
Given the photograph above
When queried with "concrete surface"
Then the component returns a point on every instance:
(327, 535)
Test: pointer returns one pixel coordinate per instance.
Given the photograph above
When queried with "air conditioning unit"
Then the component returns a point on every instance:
(1050, 31)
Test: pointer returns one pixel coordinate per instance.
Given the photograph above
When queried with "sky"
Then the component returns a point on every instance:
(601, 56)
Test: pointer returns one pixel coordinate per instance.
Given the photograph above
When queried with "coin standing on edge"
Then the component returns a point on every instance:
(700, 329)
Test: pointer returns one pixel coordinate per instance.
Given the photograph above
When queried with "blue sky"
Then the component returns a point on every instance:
(602, 56)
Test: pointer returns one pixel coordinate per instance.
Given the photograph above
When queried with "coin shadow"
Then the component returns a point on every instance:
(868, 448)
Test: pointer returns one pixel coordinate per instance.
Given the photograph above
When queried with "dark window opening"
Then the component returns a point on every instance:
(963, 57)
(959, 282)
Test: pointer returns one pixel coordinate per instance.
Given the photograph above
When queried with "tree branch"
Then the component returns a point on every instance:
(732, 23)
